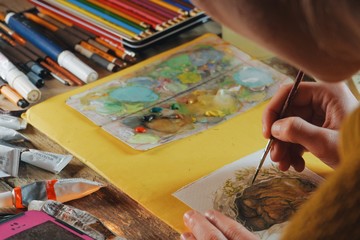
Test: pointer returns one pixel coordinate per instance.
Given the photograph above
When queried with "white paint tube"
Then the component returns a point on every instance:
(8, 134)
(12, 122)
(61, 190)
(9, 160)
(52, 162)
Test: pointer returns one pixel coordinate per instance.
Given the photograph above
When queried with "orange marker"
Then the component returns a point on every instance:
(12, 95)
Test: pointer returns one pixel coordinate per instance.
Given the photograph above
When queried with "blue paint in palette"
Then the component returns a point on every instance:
(134, 94)
(253, 78)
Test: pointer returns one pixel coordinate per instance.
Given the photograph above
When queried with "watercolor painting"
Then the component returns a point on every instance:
(264, 207)
(179, 94)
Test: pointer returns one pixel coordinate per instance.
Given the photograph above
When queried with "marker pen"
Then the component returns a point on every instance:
(11, 95)
(16, 58)
(72, 41)
(18, 80)
(22, 56)
(65, 58)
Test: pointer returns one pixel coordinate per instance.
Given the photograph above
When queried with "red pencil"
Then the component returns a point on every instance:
(139, 10)
(47, 8)
(155, 25)
(157, 8)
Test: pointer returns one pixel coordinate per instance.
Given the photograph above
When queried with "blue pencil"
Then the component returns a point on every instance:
(185, 8)
(106, 17)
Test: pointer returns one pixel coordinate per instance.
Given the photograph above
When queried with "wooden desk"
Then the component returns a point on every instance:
(119, 213)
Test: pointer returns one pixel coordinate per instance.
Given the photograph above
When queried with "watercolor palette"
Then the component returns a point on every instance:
(180, 93)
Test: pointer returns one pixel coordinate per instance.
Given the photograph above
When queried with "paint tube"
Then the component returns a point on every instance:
(9, 160)
(8, 134)
(52, 162)
(82, 220)
(12, 122)
(61, 190)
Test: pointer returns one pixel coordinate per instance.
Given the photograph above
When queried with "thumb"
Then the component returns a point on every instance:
(321, 142)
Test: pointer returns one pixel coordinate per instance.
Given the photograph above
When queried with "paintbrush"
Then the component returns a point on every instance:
(286, 105)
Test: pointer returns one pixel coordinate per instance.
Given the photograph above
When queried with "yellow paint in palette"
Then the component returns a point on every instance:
(189, 77)
(179, 95)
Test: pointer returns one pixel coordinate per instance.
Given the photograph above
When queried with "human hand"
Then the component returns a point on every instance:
(214, 225)
(311, 123)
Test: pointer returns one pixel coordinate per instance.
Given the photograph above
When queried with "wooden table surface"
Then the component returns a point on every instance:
(114, 208)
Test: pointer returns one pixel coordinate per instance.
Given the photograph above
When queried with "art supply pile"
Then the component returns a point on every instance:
(11, 154)
(133, 23)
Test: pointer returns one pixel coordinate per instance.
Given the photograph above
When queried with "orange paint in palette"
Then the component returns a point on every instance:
(179, 94)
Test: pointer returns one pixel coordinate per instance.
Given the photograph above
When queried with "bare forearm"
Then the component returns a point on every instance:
(320, 36)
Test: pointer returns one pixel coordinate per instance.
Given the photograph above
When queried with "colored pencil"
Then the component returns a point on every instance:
(58, 24)
(58, 74)
(109, 16)
(13, 34)
(97, 58)
(125, 55)
(139, 10)
(65, 72)
(105, 55)
(63, 16)
(122, 14)
(170, 6)
(179, 4)
(96, 20)
(106, 37)
(157, 8)
(154, 24)
(72, 41)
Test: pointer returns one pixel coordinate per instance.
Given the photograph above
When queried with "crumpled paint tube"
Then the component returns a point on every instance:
(9, 160)
(77, 218)
(52, 162)
(61, 190)
(12, 122)
(8, 134)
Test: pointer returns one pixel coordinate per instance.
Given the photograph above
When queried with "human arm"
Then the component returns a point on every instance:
(312, 124)
(320, 37)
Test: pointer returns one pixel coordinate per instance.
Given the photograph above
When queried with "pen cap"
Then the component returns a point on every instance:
(69, 61)
(21, 83)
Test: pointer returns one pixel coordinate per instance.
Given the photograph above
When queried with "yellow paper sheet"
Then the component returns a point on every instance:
(149, 177)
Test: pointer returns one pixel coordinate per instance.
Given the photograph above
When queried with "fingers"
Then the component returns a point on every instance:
(230, 228)
(319, 141)
(288, 154)
(273, 109)
(214, 225)
(200, 227)
(187, 236)
(302, 105)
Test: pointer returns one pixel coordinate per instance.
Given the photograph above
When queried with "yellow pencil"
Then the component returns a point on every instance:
(121, 14)
(91, 17)
(169, 6)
